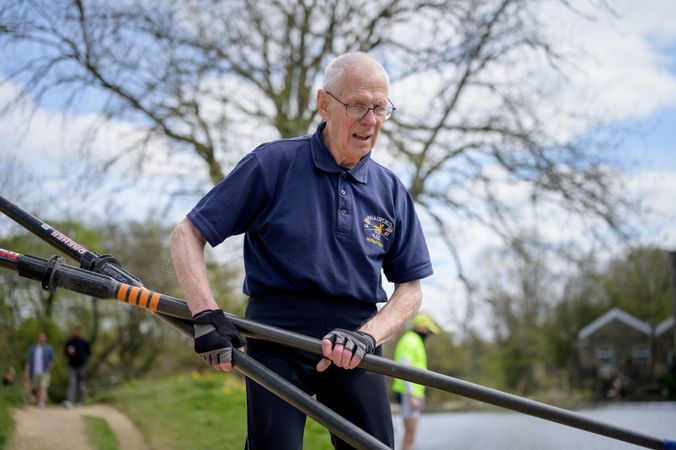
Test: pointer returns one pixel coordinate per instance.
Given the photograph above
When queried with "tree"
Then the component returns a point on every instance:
(582, 300)
(640, 283)
(520, 293)
(201, 76)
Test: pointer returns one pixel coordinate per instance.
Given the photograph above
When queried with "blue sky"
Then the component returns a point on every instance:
(655, 142)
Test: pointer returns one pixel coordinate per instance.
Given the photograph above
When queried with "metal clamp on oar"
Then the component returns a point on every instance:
(108, 265)
(48, 282)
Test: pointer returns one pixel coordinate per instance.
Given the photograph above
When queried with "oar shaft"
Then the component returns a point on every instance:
(58, 240)
(345, 430)
(44, 231)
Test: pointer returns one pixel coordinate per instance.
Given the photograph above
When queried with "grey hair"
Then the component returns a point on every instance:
(338, 66)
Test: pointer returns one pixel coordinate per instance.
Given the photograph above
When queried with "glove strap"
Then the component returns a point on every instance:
(202, 317)
(368, 336)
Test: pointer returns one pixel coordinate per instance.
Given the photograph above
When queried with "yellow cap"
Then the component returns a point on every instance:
(422, 320)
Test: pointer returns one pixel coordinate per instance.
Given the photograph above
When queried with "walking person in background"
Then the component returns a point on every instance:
(411, 350)
(77, 351)
(322, 221)
(39, 368)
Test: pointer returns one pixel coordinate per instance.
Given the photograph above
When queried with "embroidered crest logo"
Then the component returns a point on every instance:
(377, 229)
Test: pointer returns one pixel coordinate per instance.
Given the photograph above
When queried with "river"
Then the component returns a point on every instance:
(507, 430)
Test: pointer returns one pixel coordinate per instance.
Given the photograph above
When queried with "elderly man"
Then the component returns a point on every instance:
(321, 221)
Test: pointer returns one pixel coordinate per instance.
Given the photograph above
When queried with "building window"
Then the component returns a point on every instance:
(605, 357)
(640, 354)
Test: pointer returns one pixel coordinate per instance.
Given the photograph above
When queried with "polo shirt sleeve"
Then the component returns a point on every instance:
(232, 206)
(408, 259)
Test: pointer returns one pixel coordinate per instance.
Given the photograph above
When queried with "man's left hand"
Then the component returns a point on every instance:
(345, 348)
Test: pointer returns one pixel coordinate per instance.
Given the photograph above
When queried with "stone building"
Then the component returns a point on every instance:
(615, 343)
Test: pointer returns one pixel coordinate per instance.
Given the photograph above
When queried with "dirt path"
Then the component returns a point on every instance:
(56, 427)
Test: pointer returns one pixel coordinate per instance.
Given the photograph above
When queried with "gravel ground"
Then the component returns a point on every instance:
(56, 427)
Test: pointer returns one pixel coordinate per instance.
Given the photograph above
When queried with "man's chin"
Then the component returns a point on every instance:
(362, 147)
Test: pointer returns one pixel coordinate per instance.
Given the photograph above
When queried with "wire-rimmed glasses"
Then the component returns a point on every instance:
(359, 111)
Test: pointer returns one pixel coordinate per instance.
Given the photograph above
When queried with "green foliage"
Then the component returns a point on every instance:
(99, 433)
(445, 356)
(10, 397)
(640, 283)
(583, 301)
(194, 411)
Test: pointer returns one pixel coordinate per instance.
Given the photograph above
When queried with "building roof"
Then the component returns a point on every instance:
(615, 314)
(664, 326)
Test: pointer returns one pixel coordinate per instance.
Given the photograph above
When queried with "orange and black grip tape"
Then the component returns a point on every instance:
(138, 296)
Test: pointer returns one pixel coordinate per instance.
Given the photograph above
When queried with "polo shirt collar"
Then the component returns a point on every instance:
(323, 159)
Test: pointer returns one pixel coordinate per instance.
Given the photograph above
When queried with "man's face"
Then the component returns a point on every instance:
(350, 139)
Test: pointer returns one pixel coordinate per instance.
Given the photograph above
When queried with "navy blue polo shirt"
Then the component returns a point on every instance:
(313, 227)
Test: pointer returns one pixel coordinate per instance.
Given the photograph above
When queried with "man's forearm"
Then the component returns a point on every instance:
(187, 254)
(401, 306)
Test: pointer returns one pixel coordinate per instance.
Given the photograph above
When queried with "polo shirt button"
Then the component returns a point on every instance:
(343, 211)
(342, 191)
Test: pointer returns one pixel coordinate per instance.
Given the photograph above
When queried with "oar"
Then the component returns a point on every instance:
(101, 286)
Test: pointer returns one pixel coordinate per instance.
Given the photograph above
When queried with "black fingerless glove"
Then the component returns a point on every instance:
(358, 342)
(215, 335)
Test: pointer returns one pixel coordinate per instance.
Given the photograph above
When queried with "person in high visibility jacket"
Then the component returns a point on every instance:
(411, 350)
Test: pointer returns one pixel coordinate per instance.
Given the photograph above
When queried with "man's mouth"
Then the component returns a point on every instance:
(361, 137)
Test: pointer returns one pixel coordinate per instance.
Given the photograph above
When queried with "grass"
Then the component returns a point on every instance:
(195, 411)
(99, 433)
(10, 397)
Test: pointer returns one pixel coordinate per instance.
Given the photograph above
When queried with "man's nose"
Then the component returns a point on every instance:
(369, 119)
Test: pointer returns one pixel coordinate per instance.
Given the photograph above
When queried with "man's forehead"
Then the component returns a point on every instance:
(364, 78)
(364, 90)
(366, 97)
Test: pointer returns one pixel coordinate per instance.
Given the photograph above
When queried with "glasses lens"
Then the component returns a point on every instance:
(357, 111)
(381, 112)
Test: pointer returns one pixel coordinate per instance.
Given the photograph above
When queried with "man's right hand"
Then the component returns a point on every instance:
(215, 335)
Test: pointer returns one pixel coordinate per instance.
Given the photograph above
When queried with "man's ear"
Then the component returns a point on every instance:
(323, 104)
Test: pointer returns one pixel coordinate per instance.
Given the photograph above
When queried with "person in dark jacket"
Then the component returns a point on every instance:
(77, 351)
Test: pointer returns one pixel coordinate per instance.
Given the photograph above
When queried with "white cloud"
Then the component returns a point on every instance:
(657, 189)
(623, 68)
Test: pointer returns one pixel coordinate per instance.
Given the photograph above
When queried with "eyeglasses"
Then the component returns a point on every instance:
(359, 111)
